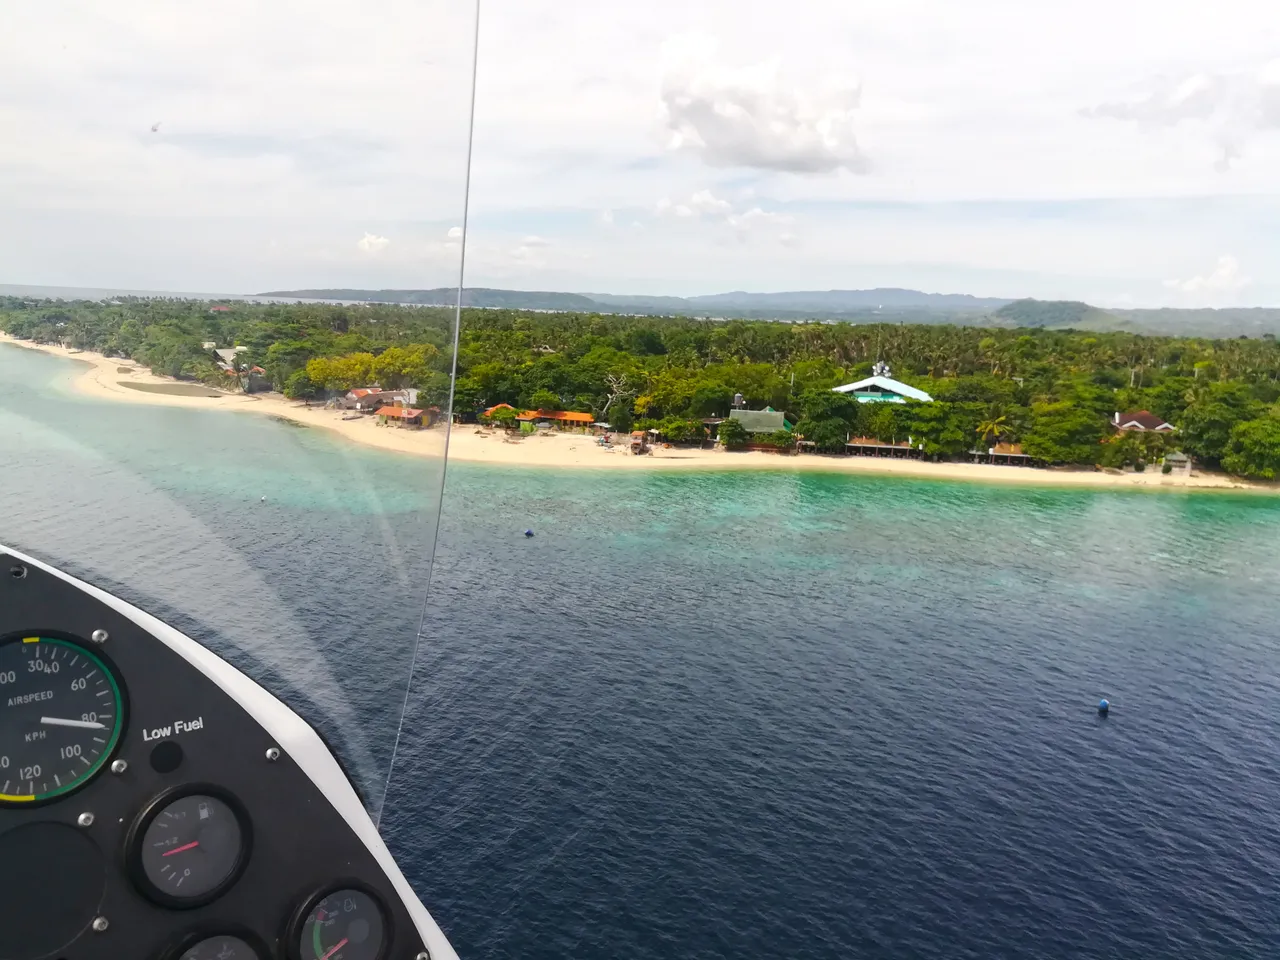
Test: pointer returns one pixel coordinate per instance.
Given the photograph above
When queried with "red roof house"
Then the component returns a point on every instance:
(1141, 421)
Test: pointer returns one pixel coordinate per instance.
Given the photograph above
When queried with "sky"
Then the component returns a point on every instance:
(1125, 152)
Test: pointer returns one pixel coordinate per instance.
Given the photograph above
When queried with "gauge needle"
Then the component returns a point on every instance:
(186, 846)
(82, 724)
(340, 944)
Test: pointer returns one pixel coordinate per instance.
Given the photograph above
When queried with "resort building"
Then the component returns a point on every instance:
(561, 419)
(880, 387)
(883, 390)
(1140, 421)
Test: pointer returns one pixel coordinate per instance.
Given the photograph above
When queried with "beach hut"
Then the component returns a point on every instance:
(560, 419)
(871, 447)
(401, 416)
(1010, 454)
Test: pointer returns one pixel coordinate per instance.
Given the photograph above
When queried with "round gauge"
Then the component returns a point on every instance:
(61, 714)
(189, 849)
(343, 925)
(223, 947)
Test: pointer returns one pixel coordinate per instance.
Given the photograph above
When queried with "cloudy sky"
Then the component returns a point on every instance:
(1116, 151)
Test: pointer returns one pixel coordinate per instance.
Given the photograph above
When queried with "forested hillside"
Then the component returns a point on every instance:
(856, 306)
(1051, 390)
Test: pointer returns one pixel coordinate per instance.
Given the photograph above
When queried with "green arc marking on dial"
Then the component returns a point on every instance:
(315, 939)
(116, 730)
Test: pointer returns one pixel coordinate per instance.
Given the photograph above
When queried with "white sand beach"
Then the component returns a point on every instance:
(118, 380)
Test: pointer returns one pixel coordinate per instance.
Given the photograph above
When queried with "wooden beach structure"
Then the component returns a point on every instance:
(401, 416)
(871, 447)
(1010, 454)
(559, 419)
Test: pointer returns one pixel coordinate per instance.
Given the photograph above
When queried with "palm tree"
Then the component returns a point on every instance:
(992, 428)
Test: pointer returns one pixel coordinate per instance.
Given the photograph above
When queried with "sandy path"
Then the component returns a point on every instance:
(103, 379)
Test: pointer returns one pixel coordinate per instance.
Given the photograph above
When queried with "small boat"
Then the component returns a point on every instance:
(353, 416)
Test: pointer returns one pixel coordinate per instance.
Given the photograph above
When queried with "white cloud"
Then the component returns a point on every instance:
(606, 217)
(1196, 97)
(531, 251)
(1220, 285)
(705, 202)
(979, 147)
(704, 206)
(788, 239)
(744, 222)
(756, 117)
(455, 233)
(372, 243)
(1229, 107)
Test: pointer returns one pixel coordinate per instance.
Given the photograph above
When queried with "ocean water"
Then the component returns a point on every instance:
(724, 715)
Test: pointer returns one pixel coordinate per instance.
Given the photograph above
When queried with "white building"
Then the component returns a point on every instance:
(881, 389)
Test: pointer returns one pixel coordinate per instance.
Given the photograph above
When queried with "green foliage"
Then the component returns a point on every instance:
(503, 417)
(942, 430)
(828, 436)
(782, 439)
(733, 435)
(300, 387)
(881, 421)
(1253, 449)
(544, 400)
(678, 430)
(1049, 388)
(826, 405)
(1063, 433)
(1215, 409)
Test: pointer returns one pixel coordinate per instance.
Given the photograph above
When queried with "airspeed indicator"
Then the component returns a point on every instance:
(61, 715)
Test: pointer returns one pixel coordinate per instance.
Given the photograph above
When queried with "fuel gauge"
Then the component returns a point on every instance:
(223, 947)
(188, 849)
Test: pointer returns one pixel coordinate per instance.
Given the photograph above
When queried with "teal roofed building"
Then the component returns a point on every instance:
(880, 387)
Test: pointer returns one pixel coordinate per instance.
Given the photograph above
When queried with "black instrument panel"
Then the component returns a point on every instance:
(187, 833)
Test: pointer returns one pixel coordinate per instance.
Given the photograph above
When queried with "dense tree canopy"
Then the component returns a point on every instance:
(1053, 391)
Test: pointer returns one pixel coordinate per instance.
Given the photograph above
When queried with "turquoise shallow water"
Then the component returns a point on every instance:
(724, 715)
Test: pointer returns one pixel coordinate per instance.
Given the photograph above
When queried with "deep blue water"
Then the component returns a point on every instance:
(728, 715)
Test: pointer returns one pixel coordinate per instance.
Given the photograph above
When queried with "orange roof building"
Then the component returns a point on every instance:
(562, 416)
(402, 413)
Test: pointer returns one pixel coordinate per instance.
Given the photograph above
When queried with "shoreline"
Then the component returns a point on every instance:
(106, 378)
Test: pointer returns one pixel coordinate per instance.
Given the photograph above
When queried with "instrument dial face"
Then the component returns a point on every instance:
(61, 715)
(343, 925)
(192, 849)
(220, 948)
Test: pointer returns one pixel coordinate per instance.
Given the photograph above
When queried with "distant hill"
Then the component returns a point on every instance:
(1226, 322)
(884, 305)
(840, 301)
(447, 296)
(794, 305)
(1060, 315)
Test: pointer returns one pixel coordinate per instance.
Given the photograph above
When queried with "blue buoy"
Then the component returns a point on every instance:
(1104, 707)
(528, 533)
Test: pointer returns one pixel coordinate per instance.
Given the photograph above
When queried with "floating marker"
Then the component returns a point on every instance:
(528, 533)
(264, 499)
(1104, 707)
